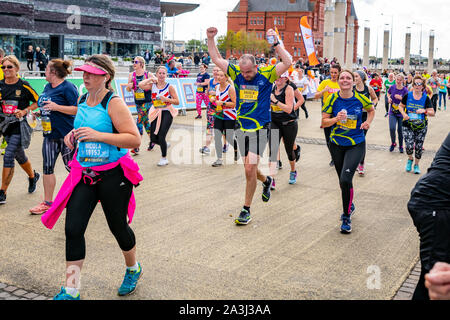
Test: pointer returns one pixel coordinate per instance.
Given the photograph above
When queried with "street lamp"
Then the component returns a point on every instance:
(392, 34)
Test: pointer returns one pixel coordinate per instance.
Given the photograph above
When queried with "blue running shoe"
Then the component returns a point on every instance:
(346, 226)
(293, 177)
(416, 169)
(63, 295)
(352, 210)
(244, 217)
(392, 147)
(225, 148)
(130, 281)
(409, 165)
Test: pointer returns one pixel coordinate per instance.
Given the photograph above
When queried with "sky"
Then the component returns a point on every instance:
(431, 14)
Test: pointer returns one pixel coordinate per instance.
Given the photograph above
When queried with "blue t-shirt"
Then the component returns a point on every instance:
(253, 97)
(66, 94)
(350, 132)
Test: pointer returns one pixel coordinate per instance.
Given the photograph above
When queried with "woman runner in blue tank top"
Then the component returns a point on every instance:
(103, 132)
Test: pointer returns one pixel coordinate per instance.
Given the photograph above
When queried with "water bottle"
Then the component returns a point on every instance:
(345, 120)
(271, 39)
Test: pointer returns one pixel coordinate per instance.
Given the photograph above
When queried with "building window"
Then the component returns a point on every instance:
(282, 21)
(282, 35)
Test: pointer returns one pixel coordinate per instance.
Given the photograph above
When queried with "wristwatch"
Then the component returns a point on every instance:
(275, 44)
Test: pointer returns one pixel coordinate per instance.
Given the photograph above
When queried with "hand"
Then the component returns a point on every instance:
(86, 134)
(438, 281)
(327, 89)
(365, 125)
(399, 97)
(341, 116)
(69, 140)
(272, 32)
(420, 111)
(219, 103)
(164, 99)
(405, 117)
(50, 105)
(211, 32)
(20, 113)
(390, 100)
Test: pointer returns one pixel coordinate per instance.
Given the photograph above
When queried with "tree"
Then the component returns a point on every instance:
(242, 41)
(196, 45)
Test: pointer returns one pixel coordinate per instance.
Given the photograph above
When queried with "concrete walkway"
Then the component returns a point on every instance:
(190, 248)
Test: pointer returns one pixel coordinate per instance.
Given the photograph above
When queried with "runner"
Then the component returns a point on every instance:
(443, 91)
(253, 88)
(389, 82)
(395, 96)
(2, 55)
(102, 171)
(212, 84)
(434, 83)
(376, 84)
(284, 123)
(326, 88)
(58, 104)
(162, 112)
(142, 98)
(362, 88)
(409, 82)
(202, 86)
(343, 112)
(415, 107)
(17, 98)
(225, 114)
(302, 84)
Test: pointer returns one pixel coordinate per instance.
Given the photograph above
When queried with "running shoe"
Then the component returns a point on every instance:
(293, 177)
(266, 190)
(392, 147)
(225, 148)
(163, 162)
(346, 226)
(297, 153)
(63, 295)
(205, 150)
(279, 165)
(32, 182)
(331, 163)
(135, 151)
(361, 170)
(2, 197)
(352, 209)
(272, 187)
(198, 117)
(217, 163)
(40, 208)
(130, 281)
(306, 115)
(400, 149)
(150, 146)
(244, 217)
(386, 114)
(409, 165)
(416, 169)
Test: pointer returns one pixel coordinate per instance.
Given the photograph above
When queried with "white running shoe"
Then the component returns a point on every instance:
(163, 162)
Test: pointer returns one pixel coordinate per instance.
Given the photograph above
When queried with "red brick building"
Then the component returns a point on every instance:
(260, 15)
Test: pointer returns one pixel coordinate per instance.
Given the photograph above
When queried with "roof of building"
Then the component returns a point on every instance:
(282, 6)
(175, 8)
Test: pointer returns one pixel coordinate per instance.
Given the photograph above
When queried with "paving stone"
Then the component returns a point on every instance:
(12, 298)
(40, 298)
(409, 285)
(10, 289)
(4, 295)
(2, 285)
(19, 292)
(407, 290)
(31, 295)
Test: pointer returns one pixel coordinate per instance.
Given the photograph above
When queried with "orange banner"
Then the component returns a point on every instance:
(308, 41)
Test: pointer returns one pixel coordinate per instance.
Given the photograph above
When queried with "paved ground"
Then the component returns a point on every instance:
(190, 248)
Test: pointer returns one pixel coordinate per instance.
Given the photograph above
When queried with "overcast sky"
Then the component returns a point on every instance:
(432, 14)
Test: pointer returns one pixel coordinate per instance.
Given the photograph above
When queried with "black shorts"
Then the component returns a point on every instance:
(254, 142)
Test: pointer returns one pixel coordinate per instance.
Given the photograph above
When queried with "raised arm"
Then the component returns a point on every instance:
(286, 59)
(216, 58)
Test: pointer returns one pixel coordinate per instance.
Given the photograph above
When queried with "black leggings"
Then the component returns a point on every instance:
(30, 65)
(434, 99)
(160, 138)
(327, 133)
(346, 160)
(223, 127)
(114, 192)
(364, 119)
(286, 131)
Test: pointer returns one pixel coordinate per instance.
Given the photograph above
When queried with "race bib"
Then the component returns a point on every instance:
(350, 123)
(395, 106)
(248, 93)
(10, 106)
(415, 116)
(158, 103)
(219, 108)
(46, 125)
(200, 89)
(139, 95)
(300, 89)
(275, 108)
(93, 152)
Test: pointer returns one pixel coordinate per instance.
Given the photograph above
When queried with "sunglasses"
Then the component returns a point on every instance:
(137, 62)
(7, 67)
(418, 84)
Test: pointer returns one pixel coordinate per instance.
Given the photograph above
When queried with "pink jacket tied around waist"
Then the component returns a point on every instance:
(131, 172)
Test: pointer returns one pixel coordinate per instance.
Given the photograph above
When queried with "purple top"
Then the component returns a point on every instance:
(393, 110)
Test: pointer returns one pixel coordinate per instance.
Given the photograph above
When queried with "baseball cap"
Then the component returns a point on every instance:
(93, 68)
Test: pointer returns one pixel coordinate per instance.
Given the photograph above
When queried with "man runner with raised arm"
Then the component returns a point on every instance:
(253, 88)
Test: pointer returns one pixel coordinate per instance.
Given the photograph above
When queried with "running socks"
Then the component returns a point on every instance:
(134, 268)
